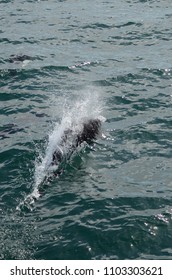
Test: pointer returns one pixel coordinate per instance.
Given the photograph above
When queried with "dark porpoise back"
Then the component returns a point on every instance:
(89, 132)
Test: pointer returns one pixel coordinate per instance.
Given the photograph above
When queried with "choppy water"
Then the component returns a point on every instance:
(112, 58)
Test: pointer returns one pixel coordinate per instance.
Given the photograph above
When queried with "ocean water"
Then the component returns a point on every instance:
(60, 62)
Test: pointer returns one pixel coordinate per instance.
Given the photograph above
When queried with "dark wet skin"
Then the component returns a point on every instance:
(19, 58)
(90, 131)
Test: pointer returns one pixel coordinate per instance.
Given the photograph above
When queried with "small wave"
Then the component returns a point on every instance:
(82, 64)
(98, 25)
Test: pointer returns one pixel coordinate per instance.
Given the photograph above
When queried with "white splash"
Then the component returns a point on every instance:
(88, 107)
(74, 114)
